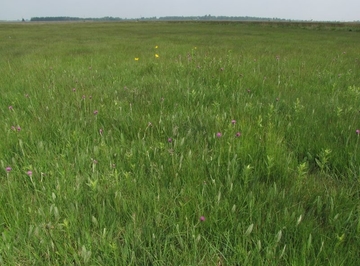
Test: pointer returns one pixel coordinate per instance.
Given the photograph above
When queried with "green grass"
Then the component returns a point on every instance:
(125, 154)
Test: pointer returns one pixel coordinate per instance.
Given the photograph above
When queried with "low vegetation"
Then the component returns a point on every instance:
(179, 144)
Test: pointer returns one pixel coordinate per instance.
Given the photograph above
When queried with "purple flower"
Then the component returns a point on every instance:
(357, 131)
(238, 134)
(170, 140)
(202, 218)
(96, 112)
(29, 173)
(18, 128)
(233, 121)
(8, 169)
(218, 135)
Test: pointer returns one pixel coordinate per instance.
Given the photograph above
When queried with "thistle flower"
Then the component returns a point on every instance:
(218, 134)
(202, 218)
(8, 169)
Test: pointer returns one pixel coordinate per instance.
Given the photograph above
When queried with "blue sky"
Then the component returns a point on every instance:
(322, 10)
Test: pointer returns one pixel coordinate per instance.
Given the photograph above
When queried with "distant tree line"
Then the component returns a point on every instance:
(73, 19)
(167, 18)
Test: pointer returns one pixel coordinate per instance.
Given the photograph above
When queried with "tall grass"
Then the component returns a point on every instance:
(179, 144)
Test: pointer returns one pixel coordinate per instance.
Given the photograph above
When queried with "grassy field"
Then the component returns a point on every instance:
(179, 144)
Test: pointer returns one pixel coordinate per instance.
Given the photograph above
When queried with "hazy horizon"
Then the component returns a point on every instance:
(318, 10)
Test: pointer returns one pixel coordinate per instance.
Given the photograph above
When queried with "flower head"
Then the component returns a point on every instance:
(218, 134)
(136, 58)
(11, 108)
(357, 131)
(156, 46)
(202, 218)
(96, 112)
(233, 121)
(8, 169)
(29, 173)
(156, 55)
(170, 140)
(238, 134)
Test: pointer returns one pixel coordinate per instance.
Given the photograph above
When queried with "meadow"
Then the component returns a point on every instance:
(149, 143)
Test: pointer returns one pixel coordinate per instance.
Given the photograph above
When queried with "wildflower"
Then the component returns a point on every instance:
(73, 89)
(83, 96)
(156, 55)
(18, 128)
(170, 140)
(136, 58)
(202, 218)
(95, 161)
(96, 112)
(238, 134)
(218, 135)
(156, 47)
(8, 169)
(357, 131)
(29, 173)
(233, 121)
(11, 108)
(101, 131)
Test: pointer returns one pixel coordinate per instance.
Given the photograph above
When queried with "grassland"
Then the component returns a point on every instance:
(179, 144)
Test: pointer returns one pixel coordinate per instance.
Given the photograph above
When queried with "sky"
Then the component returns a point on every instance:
(317, 10)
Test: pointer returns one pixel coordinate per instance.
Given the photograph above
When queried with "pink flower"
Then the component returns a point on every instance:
(357, 131)
(96, 112)
(169, 140)
(238, 134)
(202, 218)
(29, 173)
(18, 128)
(218, 135)
(8, 169)
(233, 121)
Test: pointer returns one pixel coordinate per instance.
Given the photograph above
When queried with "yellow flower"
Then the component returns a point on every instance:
(156, 55)
(136, 58)
(156, 47)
